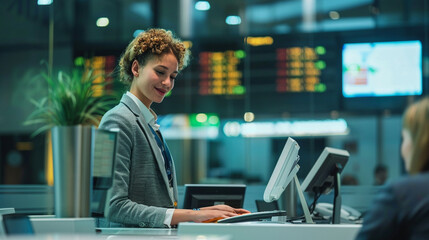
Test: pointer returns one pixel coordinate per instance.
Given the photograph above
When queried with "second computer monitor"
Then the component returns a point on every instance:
(204, 195)
(321, 177)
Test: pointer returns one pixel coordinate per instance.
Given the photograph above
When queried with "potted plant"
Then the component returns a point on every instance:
(70, 110)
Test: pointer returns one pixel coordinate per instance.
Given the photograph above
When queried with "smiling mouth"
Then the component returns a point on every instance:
(161, 91)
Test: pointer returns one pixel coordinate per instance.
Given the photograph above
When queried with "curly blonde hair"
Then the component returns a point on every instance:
(416, 121)
(148, 44)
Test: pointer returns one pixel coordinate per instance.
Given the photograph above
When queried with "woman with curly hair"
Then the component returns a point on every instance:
(144, 191)
(401, 209)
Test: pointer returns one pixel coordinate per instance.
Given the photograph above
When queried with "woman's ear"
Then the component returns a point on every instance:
(135, 68)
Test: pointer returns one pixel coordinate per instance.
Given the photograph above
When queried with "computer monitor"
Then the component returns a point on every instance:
(325, 176)
(204, 195)
(382, 69)
(321, 177)
(104, 154)
(283, 172)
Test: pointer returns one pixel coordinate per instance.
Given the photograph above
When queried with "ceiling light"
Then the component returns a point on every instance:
(202, 6)
(102, 22)
(214, 120)
(249, 117)
(334, 15)
(201, 117)
(44, 2)
(233, 20)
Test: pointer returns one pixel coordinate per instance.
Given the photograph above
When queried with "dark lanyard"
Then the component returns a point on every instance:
(165, 152)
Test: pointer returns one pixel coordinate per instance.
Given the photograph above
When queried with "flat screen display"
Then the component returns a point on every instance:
(382, 69)
(104, 153)
(203, 195)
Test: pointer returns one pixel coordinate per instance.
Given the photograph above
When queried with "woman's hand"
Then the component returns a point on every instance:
(206, 214)
(226, 208)
(212, 215)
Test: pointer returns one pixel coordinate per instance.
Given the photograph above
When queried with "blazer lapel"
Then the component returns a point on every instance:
(173, 172)
(152, 142)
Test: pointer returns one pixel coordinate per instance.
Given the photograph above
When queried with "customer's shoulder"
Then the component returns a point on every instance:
(418, 178)
(419, 181)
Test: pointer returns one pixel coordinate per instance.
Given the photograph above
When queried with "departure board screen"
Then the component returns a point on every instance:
(102, 68)
(290, 75)
(299, 69)
(221, 73)
(278, 69)
(292, 66)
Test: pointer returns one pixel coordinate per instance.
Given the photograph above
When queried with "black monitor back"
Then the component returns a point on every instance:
(262, 206)
(203, 195)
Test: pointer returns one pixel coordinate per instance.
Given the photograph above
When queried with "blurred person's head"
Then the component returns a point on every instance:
(349, 180)
(415, 137)
(380, 174)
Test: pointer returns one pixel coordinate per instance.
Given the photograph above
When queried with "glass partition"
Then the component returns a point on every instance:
(261, 71)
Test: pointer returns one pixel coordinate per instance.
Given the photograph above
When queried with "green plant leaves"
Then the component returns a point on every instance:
(70, 101)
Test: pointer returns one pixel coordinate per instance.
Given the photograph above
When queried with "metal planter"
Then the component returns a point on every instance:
(71, 147)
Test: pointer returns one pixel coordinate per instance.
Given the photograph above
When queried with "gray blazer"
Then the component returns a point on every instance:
(140, 193)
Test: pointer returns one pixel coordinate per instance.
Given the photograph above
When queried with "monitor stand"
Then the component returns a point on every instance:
(337, 196)
(304, 205)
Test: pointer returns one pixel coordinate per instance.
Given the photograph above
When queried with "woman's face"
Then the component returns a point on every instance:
(152, 81)
(406, 148)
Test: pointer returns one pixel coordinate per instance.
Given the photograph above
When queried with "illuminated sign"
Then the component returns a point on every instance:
(102, 67)
(287, 128)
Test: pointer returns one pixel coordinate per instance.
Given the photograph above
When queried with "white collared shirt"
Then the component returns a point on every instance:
(150, 116)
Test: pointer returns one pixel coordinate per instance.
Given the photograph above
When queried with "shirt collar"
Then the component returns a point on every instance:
(148, 114)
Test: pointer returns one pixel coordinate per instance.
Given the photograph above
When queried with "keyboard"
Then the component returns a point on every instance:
(256, 216)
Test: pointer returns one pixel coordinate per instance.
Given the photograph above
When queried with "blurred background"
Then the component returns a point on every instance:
(335, 73)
